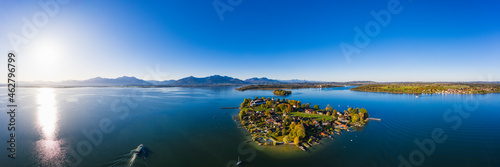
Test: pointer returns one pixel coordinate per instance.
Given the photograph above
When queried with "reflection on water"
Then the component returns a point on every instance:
(48, 147)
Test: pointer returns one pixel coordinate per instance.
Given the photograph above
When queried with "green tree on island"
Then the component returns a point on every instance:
(267, 113)
(328, 108)
(283, 131)
(263, 106)
(355, 118)
(300, 131)
(292, 125)
(297, 130)
(286, 139)
(363, 114)
(296, 141)
(245, 103)
(281, 92)
(286, 108)
(269, 104)
(242, 113)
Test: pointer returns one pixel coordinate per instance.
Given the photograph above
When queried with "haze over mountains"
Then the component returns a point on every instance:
(213, 80)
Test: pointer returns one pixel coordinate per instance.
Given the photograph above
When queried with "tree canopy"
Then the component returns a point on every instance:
(328, 108)
(245, 103)
(286, 139)
(296, 141)
(281, 92)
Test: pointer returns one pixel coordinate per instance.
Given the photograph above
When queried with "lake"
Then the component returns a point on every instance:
(186, 127)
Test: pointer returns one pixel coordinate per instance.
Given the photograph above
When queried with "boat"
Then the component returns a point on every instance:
(239, 162)
(375, 119)
(138, 150)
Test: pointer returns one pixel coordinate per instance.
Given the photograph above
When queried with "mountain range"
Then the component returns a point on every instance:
(214, 80)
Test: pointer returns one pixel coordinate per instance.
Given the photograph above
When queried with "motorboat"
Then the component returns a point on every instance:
(239, 162)
(138, 150)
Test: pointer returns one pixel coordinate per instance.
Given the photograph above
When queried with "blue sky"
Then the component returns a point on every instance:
(426, 41)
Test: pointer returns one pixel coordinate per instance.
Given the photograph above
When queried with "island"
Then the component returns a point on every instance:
(283, 121)
(431, 88)
(281, 92)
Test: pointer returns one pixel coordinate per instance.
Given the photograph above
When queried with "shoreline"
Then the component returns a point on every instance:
(430, 88)
(424, 93)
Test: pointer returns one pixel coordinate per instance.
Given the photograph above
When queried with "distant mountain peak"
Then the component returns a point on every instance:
(262, 80)
(209, 80)
(127, 77)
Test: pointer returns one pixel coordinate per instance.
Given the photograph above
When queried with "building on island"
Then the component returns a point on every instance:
(257, 102)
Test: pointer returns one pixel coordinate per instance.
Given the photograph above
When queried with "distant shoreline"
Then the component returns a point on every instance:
(287, 86)
(423, 93)
(430, 88)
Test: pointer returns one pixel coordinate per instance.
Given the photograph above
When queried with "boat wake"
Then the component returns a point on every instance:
(131, 162)
(128, 160)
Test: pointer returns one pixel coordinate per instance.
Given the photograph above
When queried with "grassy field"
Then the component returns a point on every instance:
(313, 116)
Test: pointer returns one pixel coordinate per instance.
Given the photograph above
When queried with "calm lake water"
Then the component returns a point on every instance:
(177, 128)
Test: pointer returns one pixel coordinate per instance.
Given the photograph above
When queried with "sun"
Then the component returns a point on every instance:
(47, 52)
(44, 57)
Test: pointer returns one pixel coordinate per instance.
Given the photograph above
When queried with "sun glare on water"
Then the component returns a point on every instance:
(49, 146)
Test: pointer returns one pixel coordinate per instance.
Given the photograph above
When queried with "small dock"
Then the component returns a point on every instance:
(375, 119)
(229, 107)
